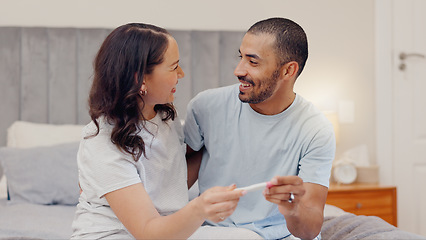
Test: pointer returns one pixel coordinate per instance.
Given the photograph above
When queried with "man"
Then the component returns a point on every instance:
(269, 134)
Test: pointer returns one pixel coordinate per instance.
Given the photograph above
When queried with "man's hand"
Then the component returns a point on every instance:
(282, 189)
(305, 213)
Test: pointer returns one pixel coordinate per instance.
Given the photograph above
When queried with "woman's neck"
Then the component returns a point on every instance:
(148, 112)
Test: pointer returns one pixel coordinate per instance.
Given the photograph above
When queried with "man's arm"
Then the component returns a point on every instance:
(305, 214)
(193, 161)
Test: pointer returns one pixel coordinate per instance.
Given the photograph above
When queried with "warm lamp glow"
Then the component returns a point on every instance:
(333, 118)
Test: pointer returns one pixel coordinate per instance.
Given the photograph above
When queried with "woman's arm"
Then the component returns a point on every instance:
(134, 208)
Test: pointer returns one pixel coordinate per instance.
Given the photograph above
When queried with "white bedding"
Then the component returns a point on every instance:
(26, 220)
(34, 221)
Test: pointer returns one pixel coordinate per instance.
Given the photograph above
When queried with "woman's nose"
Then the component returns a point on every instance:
(181, 74)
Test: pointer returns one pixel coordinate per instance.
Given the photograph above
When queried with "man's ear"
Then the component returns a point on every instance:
(290, 70)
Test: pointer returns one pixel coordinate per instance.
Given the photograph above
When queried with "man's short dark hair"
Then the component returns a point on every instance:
(291, 43)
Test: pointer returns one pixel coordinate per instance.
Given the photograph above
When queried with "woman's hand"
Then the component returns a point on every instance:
(218, 203)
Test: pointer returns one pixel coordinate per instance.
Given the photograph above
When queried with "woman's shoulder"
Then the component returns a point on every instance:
(99, 146)
(100, 134)
(103, 123)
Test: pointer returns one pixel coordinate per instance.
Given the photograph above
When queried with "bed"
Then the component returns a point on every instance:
(41, 176)
(40, 170)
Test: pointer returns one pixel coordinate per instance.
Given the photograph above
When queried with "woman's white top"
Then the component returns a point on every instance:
(103, 168)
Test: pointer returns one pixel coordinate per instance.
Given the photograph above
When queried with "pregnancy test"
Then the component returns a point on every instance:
(254, 187)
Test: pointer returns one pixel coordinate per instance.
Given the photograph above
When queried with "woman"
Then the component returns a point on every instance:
(132, 168)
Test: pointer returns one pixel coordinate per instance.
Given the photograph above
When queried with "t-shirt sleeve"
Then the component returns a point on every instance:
(105, 167)
(192, 130)
(315, 163)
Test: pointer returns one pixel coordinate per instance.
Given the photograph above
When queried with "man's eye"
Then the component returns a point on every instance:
(239, 56)
(253, 62)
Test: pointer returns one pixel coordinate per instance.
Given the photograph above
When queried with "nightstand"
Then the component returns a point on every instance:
(365, 199)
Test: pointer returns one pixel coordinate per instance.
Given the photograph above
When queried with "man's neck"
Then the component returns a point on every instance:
(273, 106)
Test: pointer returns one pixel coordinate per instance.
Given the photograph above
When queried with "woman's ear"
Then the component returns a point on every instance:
(143, 91)
(143, 86)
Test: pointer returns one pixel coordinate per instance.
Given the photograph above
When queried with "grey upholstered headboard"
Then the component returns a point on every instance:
(45, 73)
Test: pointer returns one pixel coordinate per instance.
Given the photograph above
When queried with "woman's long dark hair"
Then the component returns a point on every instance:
(127, 54)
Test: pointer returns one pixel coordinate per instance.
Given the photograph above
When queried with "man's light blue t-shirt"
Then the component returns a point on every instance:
(245, 147)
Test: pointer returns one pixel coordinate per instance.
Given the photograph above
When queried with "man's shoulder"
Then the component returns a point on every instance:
(308, 115)
(306, 108)
(216, 97)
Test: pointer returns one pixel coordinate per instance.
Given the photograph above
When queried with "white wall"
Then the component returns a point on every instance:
(340, 67)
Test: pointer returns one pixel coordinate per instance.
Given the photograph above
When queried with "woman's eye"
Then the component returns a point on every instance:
(176, 67)
(239, 56)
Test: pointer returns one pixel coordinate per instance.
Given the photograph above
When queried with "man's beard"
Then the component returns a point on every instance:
(270, 85)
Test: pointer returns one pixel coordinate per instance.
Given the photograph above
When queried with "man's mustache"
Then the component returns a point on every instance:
(245, 79)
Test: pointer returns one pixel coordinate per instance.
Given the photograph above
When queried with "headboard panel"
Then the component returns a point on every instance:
(45, 73)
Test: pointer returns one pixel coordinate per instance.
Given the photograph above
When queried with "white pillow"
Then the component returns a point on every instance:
(26, 134)
(23, 134)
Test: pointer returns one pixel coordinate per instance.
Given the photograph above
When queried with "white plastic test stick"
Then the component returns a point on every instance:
(254, 187)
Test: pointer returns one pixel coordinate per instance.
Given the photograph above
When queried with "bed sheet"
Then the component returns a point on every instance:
(33, 221)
